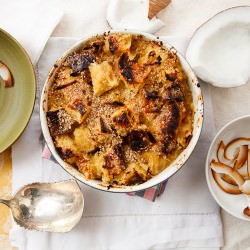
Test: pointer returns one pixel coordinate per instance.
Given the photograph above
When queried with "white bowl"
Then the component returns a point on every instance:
(171, 169)
(233, 204)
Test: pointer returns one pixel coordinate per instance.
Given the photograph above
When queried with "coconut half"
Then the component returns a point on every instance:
(219, 51)
(132, 14)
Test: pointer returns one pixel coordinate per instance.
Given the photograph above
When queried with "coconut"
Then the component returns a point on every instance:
(6, 75)
(219, 50)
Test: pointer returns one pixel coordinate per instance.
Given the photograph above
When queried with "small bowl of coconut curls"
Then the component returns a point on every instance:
(228, 168)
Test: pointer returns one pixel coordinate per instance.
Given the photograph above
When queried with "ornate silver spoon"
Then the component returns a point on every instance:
(52, 207)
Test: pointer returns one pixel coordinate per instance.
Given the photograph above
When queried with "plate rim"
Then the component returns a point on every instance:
(11, 141)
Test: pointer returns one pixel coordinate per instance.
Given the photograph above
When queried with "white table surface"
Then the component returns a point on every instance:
(182, 18)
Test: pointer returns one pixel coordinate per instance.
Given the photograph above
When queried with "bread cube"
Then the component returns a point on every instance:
(83, 139)
(66, 148)
(78, 109)
(103, 78)
(155, 162)
(117, 42)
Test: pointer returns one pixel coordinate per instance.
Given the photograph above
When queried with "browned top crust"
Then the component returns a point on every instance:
(120, 109)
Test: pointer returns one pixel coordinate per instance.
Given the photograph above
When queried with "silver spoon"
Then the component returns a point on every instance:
(52, 207)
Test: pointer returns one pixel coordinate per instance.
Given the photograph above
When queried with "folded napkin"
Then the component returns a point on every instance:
(185, 216)
(30, 23)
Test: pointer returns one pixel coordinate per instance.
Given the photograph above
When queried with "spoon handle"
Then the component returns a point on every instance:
(5, 202)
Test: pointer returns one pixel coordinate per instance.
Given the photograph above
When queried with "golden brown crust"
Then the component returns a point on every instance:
(128, 107)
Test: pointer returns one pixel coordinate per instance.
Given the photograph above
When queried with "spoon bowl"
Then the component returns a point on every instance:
(52, 207)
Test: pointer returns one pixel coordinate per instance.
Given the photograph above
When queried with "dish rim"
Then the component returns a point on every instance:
(175, 165)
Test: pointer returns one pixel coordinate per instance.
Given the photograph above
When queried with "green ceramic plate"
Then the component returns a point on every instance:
(16, 103)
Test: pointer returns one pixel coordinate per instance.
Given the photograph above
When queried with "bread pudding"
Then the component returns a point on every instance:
(120, 109)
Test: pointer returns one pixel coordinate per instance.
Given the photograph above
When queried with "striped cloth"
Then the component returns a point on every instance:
(149, 194)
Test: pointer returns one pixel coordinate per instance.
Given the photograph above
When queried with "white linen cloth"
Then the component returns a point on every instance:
(184, 217)
(30, 23)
